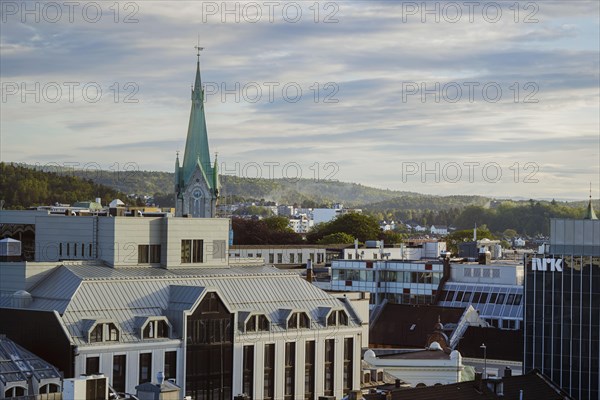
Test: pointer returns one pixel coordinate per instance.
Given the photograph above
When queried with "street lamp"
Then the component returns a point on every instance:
(484, 347)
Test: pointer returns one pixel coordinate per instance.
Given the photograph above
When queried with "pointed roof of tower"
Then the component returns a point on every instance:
(590, 214)
(196, 144)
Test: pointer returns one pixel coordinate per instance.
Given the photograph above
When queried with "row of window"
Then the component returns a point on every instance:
(19, 391)
(289, 372)
(92, 366)
(479, 272)
(108, 332)
(426, 277)
(74, 250)
(298, 320)
(509, 299)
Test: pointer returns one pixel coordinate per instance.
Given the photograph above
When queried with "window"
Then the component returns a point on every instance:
(292, 260)
(145, 368)
(119, 366)
(279, 258)
(119, 370)
(198, 251)
(156, 329)
(269, 372)
(170, 365)
(75, 249)
(154, 253)
(331, 320)
(92, 365)
(299, 320)
(250, 254)
(477, 272)
(60, 249)
(487, 273)
(271, 258)
(248, 371)
(290, 371)
(96, 334)
(501, 297)
(495, 273)
(258, 255)
(113, 333)
(15, 391)
(143, 250)
(348, 361)
(90, 250)
(49, 388)
(309, 370)
(329, 366)
(343, 318)
(467, 272)
(467, 297)
(186, 251)
(192, 251)
(68, 250)
(251, 324)
(300, 258)
(493, 298)
(459, 296)
(518, 299)
(82, 250)
(450, 296)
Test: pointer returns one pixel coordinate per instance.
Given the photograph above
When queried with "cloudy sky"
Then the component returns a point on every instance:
(490, 98)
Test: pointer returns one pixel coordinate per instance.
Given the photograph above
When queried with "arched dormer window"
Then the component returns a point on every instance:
(337, 317)
(102, 331)
(298, 320)
(156, 329)
(258, 323)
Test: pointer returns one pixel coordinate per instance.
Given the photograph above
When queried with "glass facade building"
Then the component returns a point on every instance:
(562, 311)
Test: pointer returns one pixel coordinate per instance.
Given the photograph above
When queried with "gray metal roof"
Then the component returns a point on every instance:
(85, 292)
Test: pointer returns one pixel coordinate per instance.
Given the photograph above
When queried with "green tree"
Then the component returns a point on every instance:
(360, 226)
(336, 238)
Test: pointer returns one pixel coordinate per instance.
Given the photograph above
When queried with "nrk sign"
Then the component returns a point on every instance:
(545, 264)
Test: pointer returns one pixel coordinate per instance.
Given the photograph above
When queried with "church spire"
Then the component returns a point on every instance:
(590, 214)
(196, 145)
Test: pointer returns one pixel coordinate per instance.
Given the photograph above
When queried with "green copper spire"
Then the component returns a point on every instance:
(590, 214)
(196, 144)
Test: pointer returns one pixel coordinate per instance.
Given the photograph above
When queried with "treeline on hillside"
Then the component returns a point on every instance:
(22, 187)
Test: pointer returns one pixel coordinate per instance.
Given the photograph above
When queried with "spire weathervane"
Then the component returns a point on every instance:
(198, 48)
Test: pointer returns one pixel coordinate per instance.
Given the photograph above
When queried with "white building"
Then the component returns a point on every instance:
(301, 223)
(428, 367)
(130, 296)
(278, 255)
(439, 230)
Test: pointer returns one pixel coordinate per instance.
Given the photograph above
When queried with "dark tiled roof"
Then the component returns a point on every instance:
(535, 386)
(392, 328)
(500, 344)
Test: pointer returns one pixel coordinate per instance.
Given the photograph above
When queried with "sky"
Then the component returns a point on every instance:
(490, 98)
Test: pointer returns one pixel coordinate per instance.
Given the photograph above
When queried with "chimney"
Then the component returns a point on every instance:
(507, 372)
(309, 270)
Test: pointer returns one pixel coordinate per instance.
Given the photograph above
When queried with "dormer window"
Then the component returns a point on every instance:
(257, 323)
(104, 332)
(298, 320)
(337, 317)
(156, 329)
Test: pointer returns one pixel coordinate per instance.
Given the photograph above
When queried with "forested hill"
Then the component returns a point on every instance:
(22, 187)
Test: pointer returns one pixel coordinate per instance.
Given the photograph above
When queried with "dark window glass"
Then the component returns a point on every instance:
(309, 370)
(331, 319)
(248, 371)
(269, 372)
(145, 367)
(251, 324)
(170, 365)
(518, 299)
(348, 364)
(155, 253)
(96, 333)
(162, 329)
(113, 333)
(149, 330)
(186, 251)
(493, 298)
(329, 366)
(143, 253)
(343, 318)
(119, 366)
(450, 296)
(263, 323)
(92, 365)
(198, 251)
(510, 300)
(501, 297)
(304, 320)
(290, 371)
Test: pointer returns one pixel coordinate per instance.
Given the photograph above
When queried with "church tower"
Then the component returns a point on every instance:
(196, 180)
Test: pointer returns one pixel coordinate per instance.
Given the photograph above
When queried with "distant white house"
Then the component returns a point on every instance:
(518, 242)
(440, 230)
(419, 228)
